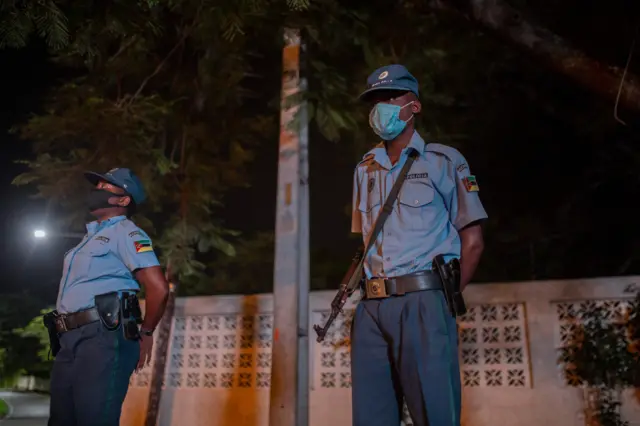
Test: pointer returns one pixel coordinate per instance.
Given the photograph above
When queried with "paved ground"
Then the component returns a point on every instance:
(25, 409)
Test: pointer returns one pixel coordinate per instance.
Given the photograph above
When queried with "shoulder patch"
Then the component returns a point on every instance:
(142, 246)
(470, 183)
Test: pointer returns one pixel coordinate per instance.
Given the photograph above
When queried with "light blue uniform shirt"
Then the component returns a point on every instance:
(103, 262)
(432, 206)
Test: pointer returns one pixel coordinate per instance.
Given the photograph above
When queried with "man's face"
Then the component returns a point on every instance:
(119, 199)
(399, 98)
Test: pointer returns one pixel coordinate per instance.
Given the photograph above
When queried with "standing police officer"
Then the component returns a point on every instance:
(405, 345)
(94, 325)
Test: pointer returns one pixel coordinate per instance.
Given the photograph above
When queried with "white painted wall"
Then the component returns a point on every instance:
(220, 359)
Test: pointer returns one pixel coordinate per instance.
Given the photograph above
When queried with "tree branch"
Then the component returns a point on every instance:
(500, 17)
(123, 47)
(161, 64)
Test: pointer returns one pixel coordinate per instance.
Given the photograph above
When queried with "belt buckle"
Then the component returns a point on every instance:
(376, 288)
(61, 324)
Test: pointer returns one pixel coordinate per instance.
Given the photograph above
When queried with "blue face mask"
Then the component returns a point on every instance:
(385, 121)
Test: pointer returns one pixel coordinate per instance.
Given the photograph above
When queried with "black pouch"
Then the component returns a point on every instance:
(131, 316)
(458, 300)
(450, 277)
(49, 320)
(131, 307)
(108, 306)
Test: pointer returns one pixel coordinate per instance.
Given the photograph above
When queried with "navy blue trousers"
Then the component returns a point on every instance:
(90, 376)
(405, 347)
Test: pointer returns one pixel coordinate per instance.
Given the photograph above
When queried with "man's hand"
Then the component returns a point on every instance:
(146, 348)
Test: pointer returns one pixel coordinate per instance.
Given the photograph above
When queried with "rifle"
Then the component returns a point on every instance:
(350, 282)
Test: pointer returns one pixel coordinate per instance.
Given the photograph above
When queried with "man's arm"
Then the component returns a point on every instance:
(156, 290)
(136, 251)
(472, 248)
(465, 209)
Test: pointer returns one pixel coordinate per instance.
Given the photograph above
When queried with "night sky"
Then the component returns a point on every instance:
(26, 264)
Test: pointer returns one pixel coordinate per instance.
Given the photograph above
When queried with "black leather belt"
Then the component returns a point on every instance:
(66, 322)
(377, 288)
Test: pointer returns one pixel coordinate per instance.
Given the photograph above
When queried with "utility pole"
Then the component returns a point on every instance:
(290, 350)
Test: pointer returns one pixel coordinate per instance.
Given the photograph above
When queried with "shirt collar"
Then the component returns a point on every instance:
(380, 153)
(95, 226)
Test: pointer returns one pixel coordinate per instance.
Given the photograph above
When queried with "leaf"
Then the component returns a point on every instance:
(24, 179)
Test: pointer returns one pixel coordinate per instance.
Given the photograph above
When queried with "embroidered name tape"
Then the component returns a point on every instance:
(418, 176)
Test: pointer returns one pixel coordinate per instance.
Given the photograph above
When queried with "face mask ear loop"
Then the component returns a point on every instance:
(406, 105)
(412, 114)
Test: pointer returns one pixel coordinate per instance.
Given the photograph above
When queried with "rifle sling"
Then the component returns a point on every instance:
(387, 208)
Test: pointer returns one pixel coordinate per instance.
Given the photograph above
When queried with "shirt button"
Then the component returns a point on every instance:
(416, 201)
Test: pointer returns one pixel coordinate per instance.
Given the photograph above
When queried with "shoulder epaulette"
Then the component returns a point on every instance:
(452, 154)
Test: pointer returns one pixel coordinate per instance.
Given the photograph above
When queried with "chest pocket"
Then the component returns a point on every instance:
(91, 261)
(370, 201)
(415, 204)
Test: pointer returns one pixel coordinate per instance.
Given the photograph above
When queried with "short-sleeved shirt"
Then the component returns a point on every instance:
(104, 262)
(438, 198)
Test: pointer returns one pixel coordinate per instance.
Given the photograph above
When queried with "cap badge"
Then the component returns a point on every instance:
(383, 74)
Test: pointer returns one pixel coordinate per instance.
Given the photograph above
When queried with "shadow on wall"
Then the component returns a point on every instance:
(243, 405)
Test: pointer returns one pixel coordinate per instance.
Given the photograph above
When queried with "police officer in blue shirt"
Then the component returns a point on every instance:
(404, 346)
(94, 330)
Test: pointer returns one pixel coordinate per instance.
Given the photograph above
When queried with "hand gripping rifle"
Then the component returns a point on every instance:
(350, 283)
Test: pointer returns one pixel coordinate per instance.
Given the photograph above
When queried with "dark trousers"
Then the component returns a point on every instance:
(405, 347)
(90, 376)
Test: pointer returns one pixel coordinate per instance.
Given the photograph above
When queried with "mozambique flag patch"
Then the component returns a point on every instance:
(142, 246)
(471, 184)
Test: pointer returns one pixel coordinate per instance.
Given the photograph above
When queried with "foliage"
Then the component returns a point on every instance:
(186, 93)
(249, 271)
(167, 90)
(22, 352)
(36, 329)
(19, 19)
(600, 356)
(4, 409)
(150, 81)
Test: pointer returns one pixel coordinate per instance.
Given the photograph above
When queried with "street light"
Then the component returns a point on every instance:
(42, 234)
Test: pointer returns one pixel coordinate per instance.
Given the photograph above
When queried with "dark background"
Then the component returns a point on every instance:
(531, 146)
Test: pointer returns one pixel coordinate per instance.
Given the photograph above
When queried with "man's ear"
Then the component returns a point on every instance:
(416, 107)
(124, 201)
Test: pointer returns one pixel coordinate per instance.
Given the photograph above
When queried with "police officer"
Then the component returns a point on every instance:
(98, 352)
(405, 345)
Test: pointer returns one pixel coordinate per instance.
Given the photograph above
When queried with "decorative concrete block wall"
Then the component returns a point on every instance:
(218, 370)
